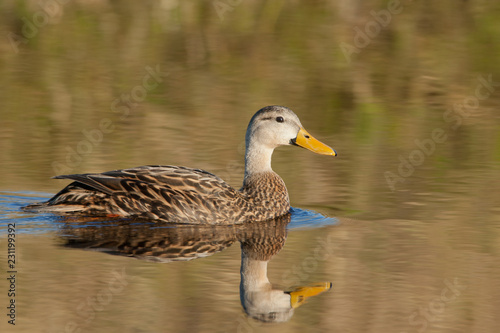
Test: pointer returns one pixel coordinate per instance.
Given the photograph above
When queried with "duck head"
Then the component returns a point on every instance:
(274, 126)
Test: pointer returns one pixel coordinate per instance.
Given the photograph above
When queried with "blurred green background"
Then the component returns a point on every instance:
(69, 71)
(64, 66)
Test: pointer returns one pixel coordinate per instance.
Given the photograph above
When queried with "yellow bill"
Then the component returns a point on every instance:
(306, 140)
(300, 294)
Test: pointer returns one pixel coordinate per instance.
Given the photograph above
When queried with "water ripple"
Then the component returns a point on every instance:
(11, 203)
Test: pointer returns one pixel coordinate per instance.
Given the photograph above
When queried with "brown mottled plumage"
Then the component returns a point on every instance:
(184, 195)
(149, 242)
(146, 241)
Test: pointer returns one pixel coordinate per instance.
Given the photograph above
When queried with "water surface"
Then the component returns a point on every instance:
(404, 222)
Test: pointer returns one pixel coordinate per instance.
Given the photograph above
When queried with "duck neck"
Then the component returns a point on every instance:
(257, 159)
(253, 275)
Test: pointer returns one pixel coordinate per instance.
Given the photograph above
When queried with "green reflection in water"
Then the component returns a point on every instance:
(440, 223)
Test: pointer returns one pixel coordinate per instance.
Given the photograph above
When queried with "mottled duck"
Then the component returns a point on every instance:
(183, 195)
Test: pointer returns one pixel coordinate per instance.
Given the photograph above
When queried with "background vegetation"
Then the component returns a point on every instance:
(223, 60)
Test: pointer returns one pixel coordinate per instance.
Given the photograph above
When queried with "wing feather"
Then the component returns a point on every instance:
(176, 194)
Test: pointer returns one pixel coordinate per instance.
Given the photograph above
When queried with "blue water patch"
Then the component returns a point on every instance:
(10, 212)
(303, 218)
(38, 223)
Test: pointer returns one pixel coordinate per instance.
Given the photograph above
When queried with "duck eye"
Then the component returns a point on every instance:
(280, 119)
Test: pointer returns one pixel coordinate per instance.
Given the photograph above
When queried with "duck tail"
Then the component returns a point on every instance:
(47, 207)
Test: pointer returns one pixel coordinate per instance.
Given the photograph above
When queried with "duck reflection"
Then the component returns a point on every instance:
(259, 241)
(149, 241)
(260, 300)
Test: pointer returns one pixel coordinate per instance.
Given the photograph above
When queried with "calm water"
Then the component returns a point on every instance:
(405, 222)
